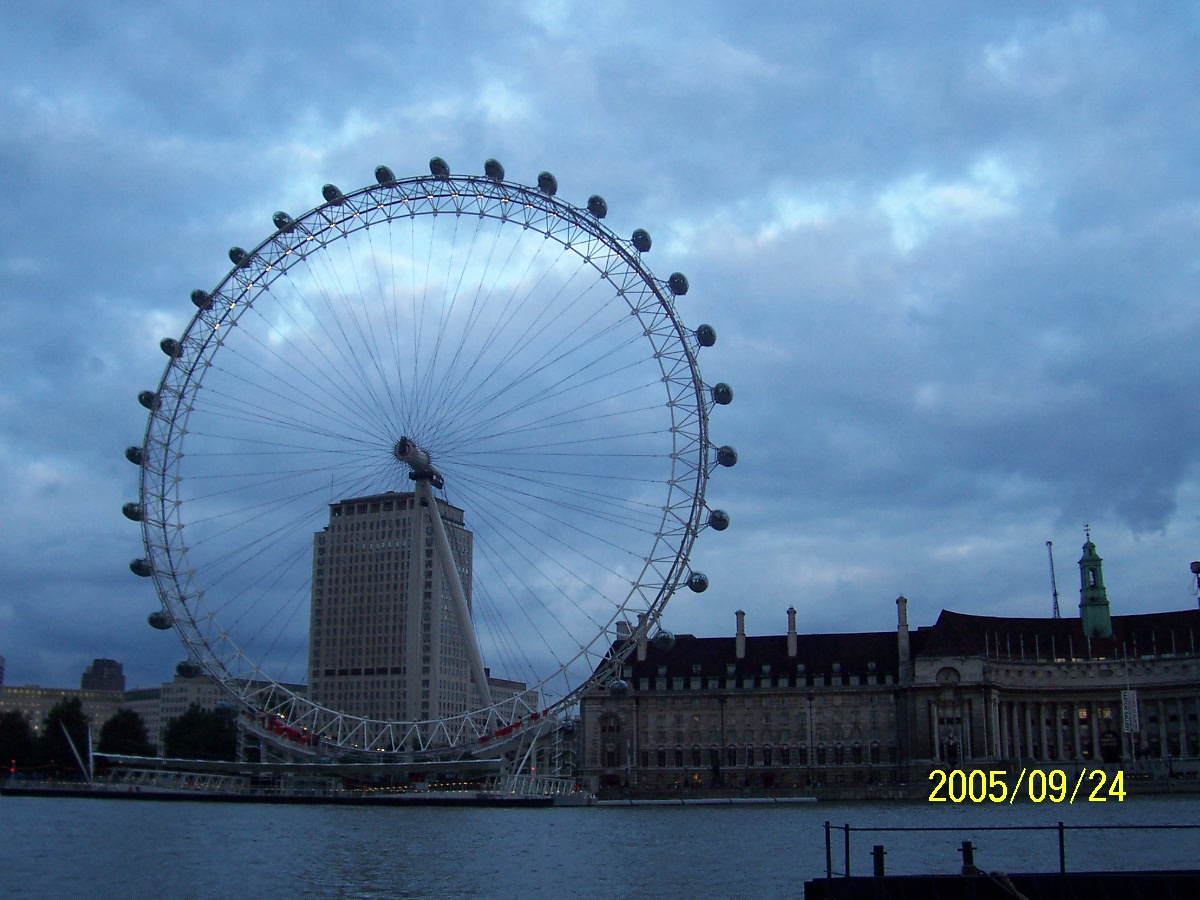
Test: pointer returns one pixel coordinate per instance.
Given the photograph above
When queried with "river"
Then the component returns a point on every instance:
(136, 850)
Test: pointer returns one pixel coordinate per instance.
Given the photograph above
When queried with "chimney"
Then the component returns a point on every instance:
(902, 643)
(791, 640)
(641, 637)
(740, 641)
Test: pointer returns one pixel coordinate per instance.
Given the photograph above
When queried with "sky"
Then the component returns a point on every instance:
(952, 253)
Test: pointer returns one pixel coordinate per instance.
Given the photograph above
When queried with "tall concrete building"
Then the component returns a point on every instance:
(384, 640)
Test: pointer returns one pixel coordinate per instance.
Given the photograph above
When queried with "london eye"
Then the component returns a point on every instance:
(480, 353)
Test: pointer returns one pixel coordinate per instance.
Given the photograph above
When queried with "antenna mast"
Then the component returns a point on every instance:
(1053, 580)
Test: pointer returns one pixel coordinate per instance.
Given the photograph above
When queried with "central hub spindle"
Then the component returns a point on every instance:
(417, 460)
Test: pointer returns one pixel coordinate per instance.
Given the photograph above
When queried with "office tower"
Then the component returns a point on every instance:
(384, 640)
(103, 675)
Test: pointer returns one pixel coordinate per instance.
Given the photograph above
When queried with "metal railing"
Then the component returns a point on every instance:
(966, 849)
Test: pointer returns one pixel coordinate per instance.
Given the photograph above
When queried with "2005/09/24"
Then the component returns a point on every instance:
(991, 785)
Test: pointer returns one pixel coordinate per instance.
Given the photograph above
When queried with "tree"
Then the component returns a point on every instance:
(53, 748)
(125, 733)
(200, 734)
(16, 742)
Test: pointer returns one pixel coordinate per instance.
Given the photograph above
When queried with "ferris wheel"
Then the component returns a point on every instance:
(481, 353)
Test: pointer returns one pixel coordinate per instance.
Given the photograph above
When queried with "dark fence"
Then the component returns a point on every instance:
(967, 849)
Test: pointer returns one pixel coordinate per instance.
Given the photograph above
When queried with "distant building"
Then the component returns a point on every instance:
(1, 672)
(853, 711)
(191, 685)
(35, 702)
(103, 675)
(147, 703)
(156, 706)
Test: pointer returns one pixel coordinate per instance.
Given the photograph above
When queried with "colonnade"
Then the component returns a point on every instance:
(1046, 730)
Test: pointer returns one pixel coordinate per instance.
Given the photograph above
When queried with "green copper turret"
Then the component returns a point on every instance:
(1094, 615)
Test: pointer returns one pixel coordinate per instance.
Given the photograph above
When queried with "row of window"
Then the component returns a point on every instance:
(757, 756)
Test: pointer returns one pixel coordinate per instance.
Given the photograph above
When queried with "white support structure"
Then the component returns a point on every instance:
(441, 545)
(425, 476)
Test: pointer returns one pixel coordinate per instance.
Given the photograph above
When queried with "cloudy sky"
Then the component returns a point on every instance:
(952, 257)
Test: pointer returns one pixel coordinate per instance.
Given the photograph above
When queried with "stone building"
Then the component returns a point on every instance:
(811, 711)
(771, 712)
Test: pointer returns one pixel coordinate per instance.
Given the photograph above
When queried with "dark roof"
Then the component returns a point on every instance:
(817, 652)
(961, 634)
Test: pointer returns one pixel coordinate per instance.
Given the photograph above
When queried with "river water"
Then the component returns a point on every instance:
(134, 850)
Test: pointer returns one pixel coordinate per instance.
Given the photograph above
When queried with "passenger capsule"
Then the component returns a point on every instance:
(567, 728)
(134, 455)
(438, 168)
(239, 257)
(698, 582)
(597, 207)
(331, 194)
(547, 184)
(618, 689)
(201, 299)
(678, 284)
(722, 394)
(706, 335)
(159, 620)
(493, 170)
(663, 642)
(148, 399)
(141, 567)
(718, 520)
(133, 512)
(171, 347)
(384, 175)
(283, 221)
(641, 240)
(727, 456)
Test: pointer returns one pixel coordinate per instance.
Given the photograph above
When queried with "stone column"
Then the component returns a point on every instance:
(1074, 731)
(995, 718)
(936, 754)
(1041, 714)
(1014, 715)
(967, 732)
(1057, 731)
(1094, 722)
(1196, 703)
(1164, 748)
(1183, 744)
(1002, 730)
(1028, 730)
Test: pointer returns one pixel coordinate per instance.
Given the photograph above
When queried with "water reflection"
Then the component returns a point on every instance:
(134, 850)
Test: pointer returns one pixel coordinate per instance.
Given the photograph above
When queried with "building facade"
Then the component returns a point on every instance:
(860, 712)
(103, 675)
(35, 702)
(774, 712)
(385, 642)
(156, 705)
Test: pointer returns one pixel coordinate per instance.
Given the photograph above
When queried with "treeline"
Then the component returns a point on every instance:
(197, 734)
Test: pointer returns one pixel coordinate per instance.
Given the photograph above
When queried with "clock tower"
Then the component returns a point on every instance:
(1094, 614)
